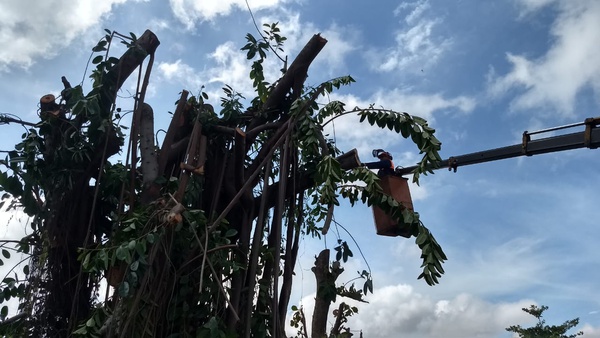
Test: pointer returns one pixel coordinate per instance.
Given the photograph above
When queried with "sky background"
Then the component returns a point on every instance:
(516, 232)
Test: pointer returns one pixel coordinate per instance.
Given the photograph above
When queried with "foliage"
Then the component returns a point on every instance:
(203, 256)
(541, 330)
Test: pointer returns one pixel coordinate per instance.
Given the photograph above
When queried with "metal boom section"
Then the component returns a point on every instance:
(589, 138)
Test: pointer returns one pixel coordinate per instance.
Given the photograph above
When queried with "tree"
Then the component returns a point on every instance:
(199, 237)
(541, 330)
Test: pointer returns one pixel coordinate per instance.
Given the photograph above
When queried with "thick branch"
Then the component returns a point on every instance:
(326, 292)
(149, 165)
(296, 75)
(239, 156)
(190, 159)
(256, 247)
(292, 80)
(304, 181)
(267, 148)
(291, 253)
(133, 57)
(176, 124)
(277, 224)
(254, 132)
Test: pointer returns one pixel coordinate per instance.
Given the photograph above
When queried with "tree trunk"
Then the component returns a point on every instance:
(72, 218)
(319, 320)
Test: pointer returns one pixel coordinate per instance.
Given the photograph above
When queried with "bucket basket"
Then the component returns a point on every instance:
(396, 187)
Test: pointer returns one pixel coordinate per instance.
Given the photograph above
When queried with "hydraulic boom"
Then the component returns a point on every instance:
(589, 138)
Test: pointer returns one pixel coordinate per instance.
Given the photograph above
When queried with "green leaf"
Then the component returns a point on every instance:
(422, 238)
(101, 46)
(121, 253)
(90, 322)
(103, 257)
(124, 289)
(150, 238)
(97, 59)
(86, 261)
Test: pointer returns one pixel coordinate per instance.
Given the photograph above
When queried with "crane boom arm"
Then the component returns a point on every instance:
(589, 138)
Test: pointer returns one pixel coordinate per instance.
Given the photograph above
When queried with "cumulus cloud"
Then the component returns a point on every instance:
(181, 73)
(189, 12)
(32, 29)
(399, 311)
(227, 64)
(417, 46)
(341, 41)
(569, 66)
(590, 331)
(425, 105)
(232, 68)
(349, 133)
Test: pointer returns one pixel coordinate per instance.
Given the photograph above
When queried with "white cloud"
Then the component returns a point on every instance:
(419, 7)
(589, 331)
(181, 73)
(351, 134)
(533, 5)
(399, 311)
(570, 65)
(339, 46)
(423, 105)
(31, 29)
(230, 67)
(191, 11)
(341, 41)
(15, 224)
(416, 47)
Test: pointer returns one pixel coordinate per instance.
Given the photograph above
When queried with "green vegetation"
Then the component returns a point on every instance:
(198, 236)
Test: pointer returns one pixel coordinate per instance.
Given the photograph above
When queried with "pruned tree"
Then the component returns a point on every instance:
(198, 236)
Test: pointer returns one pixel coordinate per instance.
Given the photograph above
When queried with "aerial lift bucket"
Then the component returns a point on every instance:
(396, 187)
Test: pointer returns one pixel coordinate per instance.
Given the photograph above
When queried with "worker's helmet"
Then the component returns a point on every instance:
(380, 153)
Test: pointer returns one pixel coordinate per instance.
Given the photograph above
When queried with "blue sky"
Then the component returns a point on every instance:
(517, 232)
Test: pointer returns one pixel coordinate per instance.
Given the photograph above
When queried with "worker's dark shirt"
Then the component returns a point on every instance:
(386, 167)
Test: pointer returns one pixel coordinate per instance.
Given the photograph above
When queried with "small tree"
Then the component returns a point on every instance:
(541, 330)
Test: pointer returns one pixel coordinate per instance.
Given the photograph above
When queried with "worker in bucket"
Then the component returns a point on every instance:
(385, 164)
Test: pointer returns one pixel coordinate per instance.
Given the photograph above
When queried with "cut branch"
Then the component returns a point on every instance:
(133, 57)
(149, 165)
(326, 292)
(170, 140)
(292, 80)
